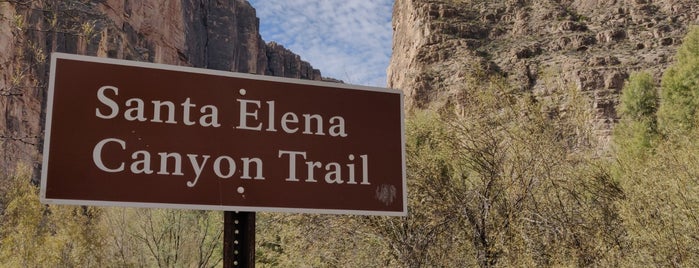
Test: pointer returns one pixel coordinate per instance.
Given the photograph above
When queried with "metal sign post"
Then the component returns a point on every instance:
(238, 239)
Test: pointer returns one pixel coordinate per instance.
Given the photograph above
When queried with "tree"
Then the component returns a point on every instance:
(637, 129)
(680, 88)
(163, 237)
(36, 235)
(496, 177)
(657, 167)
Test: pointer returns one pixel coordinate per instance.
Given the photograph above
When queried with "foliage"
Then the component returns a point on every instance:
(529, 189)
(498, 178)
(288, 240)
(637, 128)
(658, 168)
(163, 237)
(661, 205)
(36, 235)
(680, 88)
(639, 99)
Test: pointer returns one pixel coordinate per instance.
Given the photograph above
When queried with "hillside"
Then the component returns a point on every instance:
(591, 45)
(221, 35)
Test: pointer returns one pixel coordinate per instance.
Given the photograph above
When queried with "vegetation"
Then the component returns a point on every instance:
(658, 163)
(36, 235)
(496, 177)
(504, 178)
(499, 180)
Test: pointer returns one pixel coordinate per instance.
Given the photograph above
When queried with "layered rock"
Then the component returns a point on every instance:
(592, 45)
(222, 35)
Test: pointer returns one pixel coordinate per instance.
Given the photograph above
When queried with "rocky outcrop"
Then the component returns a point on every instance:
(592, 45)
(283, 62)
(222, 35)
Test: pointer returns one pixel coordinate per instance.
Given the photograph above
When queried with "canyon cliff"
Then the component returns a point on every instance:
(590, 45)
(221, 35)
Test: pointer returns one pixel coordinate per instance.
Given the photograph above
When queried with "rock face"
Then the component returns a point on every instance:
(592, 45)
(222, 35)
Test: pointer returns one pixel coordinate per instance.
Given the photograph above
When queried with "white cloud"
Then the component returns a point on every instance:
(346, 39)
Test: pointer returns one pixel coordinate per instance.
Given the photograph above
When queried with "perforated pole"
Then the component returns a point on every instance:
(238, 239)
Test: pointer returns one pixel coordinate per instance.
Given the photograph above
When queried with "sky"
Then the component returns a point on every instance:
(348, 40)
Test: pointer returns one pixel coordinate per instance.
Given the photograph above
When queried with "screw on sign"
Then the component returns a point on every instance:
(123, 133)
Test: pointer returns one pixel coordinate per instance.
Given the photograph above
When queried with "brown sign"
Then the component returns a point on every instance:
(123, 133)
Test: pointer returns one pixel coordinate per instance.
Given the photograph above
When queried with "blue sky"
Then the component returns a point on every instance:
(348, 40)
